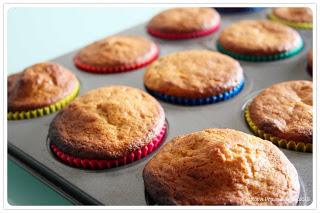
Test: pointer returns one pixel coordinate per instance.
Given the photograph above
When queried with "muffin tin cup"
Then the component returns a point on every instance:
(35, 113)
(94, 164)
(152, 55)
(262, 58)
(198, 101)
(176, 36)
(291, 145)
(297, 25)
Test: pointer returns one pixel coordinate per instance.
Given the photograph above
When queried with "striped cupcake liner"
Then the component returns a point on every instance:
(198, 101)
(230, 10)
(35, 113)
(291, 145)
(262, 58)
(94, 164)
(152, 55)
(176, 36)
(297, 25)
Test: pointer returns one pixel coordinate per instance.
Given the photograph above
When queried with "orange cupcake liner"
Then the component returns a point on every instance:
(95, 164)
(175, 36)
(152, 55)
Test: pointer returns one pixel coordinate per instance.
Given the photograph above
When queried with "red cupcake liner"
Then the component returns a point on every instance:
(153, 55)
(107, 164)
(183, 35)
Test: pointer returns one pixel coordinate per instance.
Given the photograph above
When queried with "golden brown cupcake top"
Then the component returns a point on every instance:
(39, 85)
(184, 20)
(284, 110)
(259, 37)
(107, 123)
(117, 51)
(294, 14)
(221, 167)
(193, 74)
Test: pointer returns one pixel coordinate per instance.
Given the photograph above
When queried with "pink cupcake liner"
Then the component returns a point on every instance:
(107, 164)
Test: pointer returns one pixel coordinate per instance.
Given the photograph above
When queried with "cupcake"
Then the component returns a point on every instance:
(39, 90)
(107, 127)
(297, 17)
(116, 54)
(259, 40)
(230, 10)
(183, 23)
(282, 114)
(221, 167)
(194, 77)
(309, 62)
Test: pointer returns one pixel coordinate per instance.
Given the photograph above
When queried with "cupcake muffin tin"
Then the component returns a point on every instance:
(27, 139)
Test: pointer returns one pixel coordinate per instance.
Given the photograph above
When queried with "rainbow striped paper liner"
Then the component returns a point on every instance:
(176, 36)
(297, 25)
(290, 145)
(95, 164)
(261, 58)
(123, 68)
(198, 101)
(35, 113)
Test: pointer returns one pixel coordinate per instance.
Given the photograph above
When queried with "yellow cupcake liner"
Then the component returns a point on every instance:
(291, 145)
(298, 25)
(21, 115)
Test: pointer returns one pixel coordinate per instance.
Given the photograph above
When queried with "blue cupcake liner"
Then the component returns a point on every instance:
(198, 101)
(230, 10)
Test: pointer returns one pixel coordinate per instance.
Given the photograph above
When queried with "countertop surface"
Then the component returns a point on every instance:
(40, 34)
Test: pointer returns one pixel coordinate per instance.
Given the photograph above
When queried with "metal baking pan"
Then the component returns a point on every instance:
(124, 185)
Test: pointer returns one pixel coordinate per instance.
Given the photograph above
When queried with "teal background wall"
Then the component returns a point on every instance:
(39, 34)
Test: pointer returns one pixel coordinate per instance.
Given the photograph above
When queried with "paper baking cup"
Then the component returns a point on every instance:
(260, 58)
(175, 36)
(107, 164)
(152, 55)
(21, 115)
(297, 25)
(291, 145)
(230, 10)
(198, 101)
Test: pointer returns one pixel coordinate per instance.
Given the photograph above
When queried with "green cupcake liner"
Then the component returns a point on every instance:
(21, 115)
(260, 58)
(290, 145)
(297, 25)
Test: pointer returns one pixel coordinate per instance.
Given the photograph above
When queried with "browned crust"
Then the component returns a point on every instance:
(284, 110)
(294, 14)
(107, 123)
(259, 37)
(221, 167)
(117, 51)
(184, 20)
(193, 74)
(39, 85)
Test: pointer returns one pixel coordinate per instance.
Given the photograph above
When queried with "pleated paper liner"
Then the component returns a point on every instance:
(230, 10)
(152, 55)
(110, 163)
(297, 25)
(261, 58)
(198, 101)
(291, 145)
(177, 36)
(21, 115)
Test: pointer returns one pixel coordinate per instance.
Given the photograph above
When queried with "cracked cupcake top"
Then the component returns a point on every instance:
(284, 110)
(221, 167)
(39, 85)
(107, 123)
